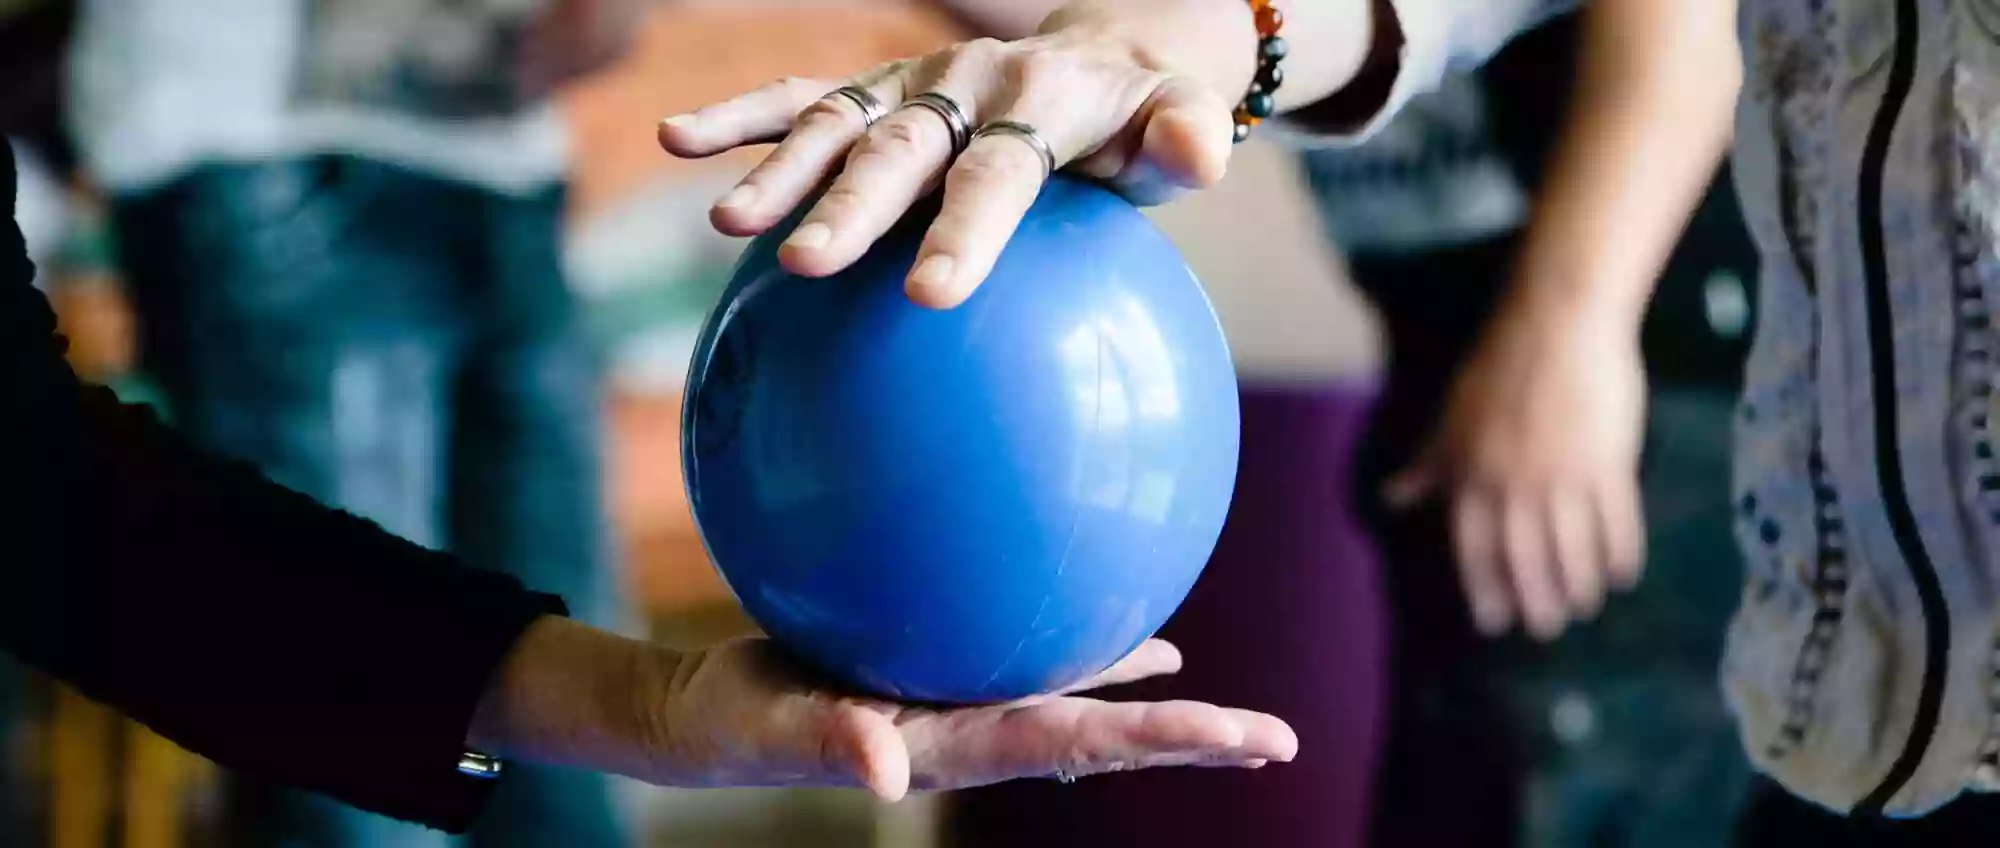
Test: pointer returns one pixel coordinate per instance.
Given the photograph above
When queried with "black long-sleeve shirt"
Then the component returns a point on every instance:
(233, 616)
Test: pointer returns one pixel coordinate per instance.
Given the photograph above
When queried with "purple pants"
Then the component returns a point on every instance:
(1288, 619)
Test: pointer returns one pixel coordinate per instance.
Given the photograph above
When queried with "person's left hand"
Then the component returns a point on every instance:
(1537, 463)
(743, 715)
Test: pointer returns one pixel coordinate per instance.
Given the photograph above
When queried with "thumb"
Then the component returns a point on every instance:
(1185, 143)
(867, 746)
(1411, 486)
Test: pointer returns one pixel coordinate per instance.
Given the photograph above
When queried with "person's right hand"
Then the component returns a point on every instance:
(1140, 102)
(1537, 462)
(742, 715)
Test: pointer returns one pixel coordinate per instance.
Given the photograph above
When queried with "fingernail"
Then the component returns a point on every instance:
(933, 273)
(738, 197)
(678, 121)
(811, 237)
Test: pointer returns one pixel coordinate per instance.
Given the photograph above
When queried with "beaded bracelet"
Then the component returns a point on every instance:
(1260, 102)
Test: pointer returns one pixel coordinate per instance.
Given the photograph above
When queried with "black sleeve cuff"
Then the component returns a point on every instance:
(420, 781)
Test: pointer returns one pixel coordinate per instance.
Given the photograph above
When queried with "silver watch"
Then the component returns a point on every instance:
(479, 766)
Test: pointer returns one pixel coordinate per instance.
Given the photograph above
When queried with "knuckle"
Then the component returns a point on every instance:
(787, 84)
(896, 138)
(822, 116)
(978, 50)
(989, 166)
(1036, 69)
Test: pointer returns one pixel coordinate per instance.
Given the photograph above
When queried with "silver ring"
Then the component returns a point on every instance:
(871, 106)
(1026, 133)
(953, 114)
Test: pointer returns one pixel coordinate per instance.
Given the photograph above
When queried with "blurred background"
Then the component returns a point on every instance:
(1331, 269)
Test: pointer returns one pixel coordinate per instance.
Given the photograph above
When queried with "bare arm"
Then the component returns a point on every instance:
(1537, 457)
(1651, 119)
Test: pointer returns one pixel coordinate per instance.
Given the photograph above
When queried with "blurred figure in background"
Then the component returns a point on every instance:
(340, 226)
(1500, 475)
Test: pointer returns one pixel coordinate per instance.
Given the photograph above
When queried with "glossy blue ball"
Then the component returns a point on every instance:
(970, 505)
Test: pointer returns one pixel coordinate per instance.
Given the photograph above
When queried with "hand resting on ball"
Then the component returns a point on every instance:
(1136, 94)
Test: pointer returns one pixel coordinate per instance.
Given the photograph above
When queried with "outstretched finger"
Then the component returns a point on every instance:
(1078, 736)
(986, 193)
(1475, 537)
(819, 139)
(1574, 545)
(1153, 658)
(759, 116)
(1525, 543)
(1623, 518)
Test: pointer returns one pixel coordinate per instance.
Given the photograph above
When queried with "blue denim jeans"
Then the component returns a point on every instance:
(403, 347)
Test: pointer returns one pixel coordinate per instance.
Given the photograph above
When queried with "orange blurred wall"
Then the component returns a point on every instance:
(685, 56)
(691, 54)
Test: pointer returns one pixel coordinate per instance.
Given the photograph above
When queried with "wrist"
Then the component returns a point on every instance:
(1564, 292)
(1572, 306)
(571, 695)
(1578, 275)
(1216, 42)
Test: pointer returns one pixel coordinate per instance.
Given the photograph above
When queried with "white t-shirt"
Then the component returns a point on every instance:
(160, 86)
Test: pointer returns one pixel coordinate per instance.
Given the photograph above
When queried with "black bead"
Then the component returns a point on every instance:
(1260, 105)
(1748, 505)
(1273, 49)
(1768, 531)
(1242, 133)
(1982, 450)
(1989, 482)
(1270, 76)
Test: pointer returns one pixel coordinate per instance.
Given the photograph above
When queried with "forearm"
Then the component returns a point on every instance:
(1648, 125)
(571, 695)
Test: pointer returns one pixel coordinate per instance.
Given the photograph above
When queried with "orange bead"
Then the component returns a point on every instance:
(1269, 20)
(1244, 117)
(1259, 5)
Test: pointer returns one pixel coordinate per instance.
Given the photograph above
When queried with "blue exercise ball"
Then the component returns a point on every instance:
(971, 505)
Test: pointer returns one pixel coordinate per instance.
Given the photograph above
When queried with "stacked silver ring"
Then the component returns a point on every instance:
(1026, 134)
(871, 106)
(953, 114)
